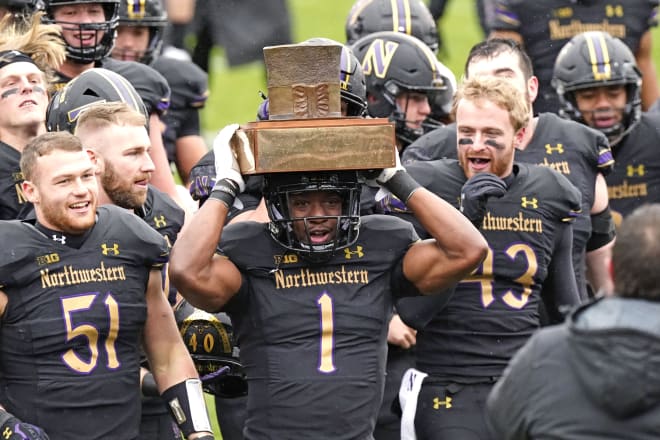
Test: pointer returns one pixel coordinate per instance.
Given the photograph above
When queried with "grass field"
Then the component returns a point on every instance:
(234, 92)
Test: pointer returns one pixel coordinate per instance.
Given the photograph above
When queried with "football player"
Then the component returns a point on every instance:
(81, 293)
(543, 28)
(598, 84)
(25, 59)
(117, 138)
(525, 214)
(88, 29)
(140, 38)
(310, 292)
(403, 85)
(582, 155)
(117, 135)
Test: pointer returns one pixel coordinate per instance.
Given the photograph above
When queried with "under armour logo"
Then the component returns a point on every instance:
(533, 202)
(437, 403)
(61, 239)
(559, 148)
(106, 250)
(632, 170)
(348, 254)
(160, 221)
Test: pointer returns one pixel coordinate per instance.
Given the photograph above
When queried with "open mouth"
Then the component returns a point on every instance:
(479, 163)
(80, 206)
(319, 236)
(604, 122)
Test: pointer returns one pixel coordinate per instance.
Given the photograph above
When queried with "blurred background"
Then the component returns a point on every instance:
(234, 91)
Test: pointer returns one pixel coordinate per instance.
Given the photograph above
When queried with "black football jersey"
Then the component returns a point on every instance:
(576, 151)
(635, 179)
(579, 153)
(440, 143)
(189, 86)
(150, 85)
(162, 213)
(165, 216)
(313, 337)
(11, 194)
(546, 26)
(494, 310)
(71, 331)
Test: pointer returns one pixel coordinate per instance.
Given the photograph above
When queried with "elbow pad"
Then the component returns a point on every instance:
(603, 230)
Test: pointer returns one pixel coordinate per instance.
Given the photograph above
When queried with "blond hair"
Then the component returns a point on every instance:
(498, 91)
(104, 114)
(41, 42)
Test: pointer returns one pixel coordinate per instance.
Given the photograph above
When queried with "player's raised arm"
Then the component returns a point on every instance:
(457, 246)
(207, 280)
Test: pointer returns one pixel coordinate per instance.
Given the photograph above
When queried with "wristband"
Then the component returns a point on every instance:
(149, 387)
(402, 185)
(225, 191)
(186, 403)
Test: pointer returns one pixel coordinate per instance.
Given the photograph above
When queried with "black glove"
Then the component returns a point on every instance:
(224, 383)
(475, 194)
(202, 177)
(12, 428)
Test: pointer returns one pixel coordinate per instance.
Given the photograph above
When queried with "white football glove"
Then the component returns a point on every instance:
(386, 174)
(230, 144)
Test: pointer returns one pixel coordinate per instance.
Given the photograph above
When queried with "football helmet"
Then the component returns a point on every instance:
(351, 79)
(411, 17)
(595, 59)
(212, 345)
(91, 86)
(395, 63)
(80, 53)
(147, 13)
(277, 189)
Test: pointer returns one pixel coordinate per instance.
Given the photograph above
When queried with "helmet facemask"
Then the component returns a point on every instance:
(596, 59)
(105, 31)
(278, 192)
(149, 14)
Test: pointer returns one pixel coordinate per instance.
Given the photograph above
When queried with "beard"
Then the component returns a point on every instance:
(60, 220)
(120, 190)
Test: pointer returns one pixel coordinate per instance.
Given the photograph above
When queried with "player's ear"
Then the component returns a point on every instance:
(533, 88)
(96, 159)
(30, 192)
(518, 137)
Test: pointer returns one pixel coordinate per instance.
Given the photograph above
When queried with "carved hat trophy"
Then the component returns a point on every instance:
(305, 130)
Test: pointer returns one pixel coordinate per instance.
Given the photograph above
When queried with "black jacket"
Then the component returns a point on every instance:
(597, 376)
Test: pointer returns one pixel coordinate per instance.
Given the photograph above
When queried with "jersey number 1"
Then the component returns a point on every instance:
(326, 361)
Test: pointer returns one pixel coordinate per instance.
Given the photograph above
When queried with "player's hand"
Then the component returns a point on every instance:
(400, 334)
(476, 192)
(387, 173)
(226, 147)
(202, 178)
(13, 429)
